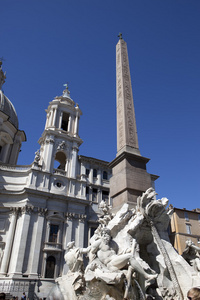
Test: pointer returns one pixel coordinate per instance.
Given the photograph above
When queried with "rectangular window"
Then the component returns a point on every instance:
(105, 196)
(53, 235)
(94, 173)
(87, 190)
(87, 172)
(186, 215)
(105, 175)
(188, 229)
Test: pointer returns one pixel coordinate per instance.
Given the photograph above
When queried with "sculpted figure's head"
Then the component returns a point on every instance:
(106, 234)
(70, 245)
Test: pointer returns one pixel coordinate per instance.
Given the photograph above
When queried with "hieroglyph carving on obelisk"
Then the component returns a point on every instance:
(126, 124)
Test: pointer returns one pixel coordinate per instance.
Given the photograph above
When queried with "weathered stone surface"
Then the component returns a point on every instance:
(129, 257)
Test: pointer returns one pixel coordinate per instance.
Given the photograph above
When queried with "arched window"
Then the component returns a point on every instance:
(50, 267)
(60, 161)
(105, 175)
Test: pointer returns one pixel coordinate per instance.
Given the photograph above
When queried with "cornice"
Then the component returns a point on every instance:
(94, 160)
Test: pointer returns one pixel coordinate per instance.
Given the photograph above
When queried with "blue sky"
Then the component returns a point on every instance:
(48, 43)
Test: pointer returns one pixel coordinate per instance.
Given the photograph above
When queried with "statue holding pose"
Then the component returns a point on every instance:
(192, 255)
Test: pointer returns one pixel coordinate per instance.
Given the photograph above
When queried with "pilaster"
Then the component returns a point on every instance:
(9, 242)
(48, 153)
(36, 243)
(19, 246)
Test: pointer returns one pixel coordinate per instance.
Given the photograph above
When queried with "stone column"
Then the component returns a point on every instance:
(44, 265)
(60, 119)
(51, 118)
(36, 243)
(99, 177)
(74, 161)
(47, 118)
(19, 246)
(81, 231)
(47, 231)
(76, 124)
(69, 124)
(54, 117)
(9, 241)
(69, 225)
(91, 176)
(15, 152)
(60, 233)
(83, 169)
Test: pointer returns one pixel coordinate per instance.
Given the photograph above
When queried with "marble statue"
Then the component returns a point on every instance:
(192, 255)
(129, 257)
(37, 157)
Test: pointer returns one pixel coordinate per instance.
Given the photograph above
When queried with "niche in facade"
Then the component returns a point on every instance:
(65, 121)
(60, 161)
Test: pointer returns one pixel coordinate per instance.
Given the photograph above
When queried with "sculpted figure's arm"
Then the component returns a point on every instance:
(85, 250)
(195, 248)
(93, 249)
(95, 246)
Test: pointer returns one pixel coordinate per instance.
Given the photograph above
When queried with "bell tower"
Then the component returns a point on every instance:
(60, 140)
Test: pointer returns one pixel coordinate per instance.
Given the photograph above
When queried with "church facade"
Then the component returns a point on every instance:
(55, 199)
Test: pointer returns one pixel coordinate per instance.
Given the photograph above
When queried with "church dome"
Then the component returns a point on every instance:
(7, 108)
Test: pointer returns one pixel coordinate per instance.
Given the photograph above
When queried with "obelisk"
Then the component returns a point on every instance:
(129, 176)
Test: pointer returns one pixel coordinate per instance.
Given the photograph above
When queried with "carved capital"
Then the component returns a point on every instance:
(42, 211)
(82, 218)
(50, 141)
(70, 216)
(27, 209)
(14, 210)
(75, 148)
